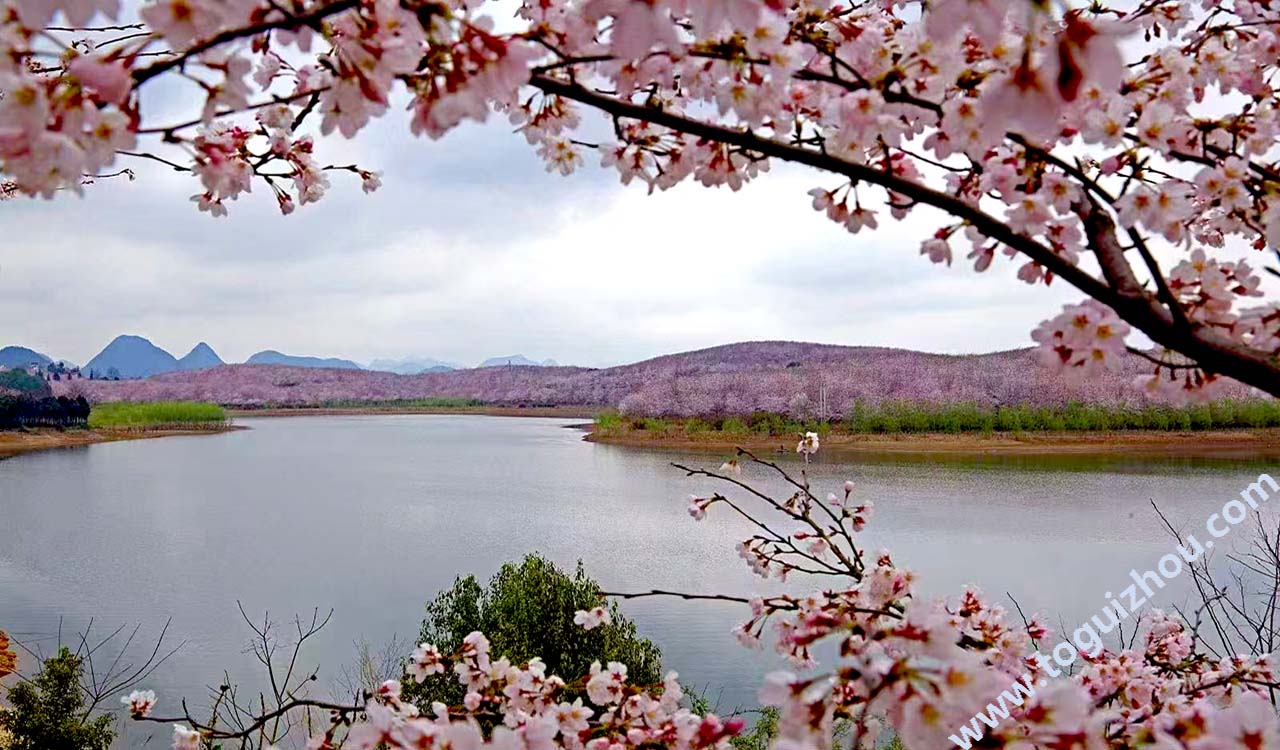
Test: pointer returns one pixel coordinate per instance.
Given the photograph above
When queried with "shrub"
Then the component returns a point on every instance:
(21, 380)
(652, 424)
(526, 611)
(610, 422)
(48, 712)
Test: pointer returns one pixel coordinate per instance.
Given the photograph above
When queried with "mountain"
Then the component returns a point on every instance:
(799, 379)
(272, 357)
(131, 357)
(411, 365)
(201, 356)
(20, 356)
(517, 360)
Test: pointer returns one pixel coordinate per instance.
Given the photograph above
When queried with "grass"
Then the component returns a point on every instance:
(157, 415)
(902, 417)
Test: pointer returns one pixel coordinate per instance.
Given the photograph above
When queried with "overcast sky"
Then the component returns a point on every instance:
(472, 250)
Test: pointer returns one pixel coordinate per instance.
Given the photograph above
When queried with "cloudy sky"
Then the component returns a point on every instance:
(472, 250)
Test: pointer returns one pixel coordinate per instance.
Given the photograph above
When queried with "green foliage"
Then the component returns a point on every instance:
(693, 426)
(48, 712)
(894, 417)
(28, 411)
(762, 732)
(21, 380)
(157, 415)
(904, 416)
(526, 611)
(610, 422)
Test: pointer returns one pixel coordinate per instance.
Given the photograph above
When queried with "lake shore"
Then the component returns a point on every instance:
(1245, 443)
(13, 443)
(1232, 443)
(568, 412)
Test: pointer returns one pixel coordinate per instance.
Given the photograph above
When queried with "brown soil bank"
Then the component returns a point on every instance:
(15, 442)
(1259, 443)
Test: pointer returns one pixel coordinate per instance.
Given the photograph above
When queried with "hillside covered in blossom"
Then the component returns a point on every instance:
(783, 377)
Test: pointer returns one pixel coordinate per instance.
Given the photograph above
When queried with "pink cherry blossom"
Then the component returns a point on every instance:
(108, 80)
(591, 619)
(140, 703)
(1049, 133)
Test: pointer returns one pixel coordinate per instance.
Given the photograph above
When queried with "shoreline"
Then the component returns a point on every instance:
(18, 442)
(1242, 443)
(1224, 443)
(1231, 443)
(567, 412)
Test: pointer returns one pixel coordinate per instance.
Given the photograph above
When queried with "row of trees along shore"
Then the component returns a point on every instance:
(49, 411)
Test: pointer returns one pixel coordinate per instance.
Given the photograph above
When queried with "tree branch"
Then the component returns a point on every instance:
(1214, 351)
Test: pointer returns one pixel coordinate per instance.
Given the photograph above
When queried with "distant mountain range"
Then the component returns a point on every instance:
(412, 365)
(272, 357)
(517, 360)
(801, 379)
(131, 357)
(136, 357)
(20, 356)
(201, 356)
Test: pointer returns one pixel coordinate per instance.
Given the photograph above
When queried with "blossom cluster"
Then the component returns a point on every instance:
(140, 702)
(926, 668)
(534, 708)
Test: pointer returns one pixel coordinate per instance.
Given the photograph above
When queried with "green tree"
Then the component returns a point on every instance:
(526, 611)
(48, 712)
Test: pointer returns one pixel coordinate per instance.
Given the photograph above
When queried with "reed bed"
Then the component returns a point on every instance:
(157, 415)
(898, 417)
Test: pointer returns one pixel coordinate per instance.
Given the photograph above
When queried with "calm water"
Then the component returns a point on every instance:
(373, 515)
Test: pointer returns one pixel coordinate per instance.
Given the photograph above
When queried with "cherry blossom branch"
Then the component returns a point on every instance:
(312, 19)
(675, 594)
(985, 223)
(1163, 364)
(168, 130)
(850, 567)
(1213, 350)
(143, 155)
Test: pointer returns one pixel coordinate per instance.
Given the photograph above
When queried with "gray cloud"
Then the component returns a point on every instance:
(470, 250)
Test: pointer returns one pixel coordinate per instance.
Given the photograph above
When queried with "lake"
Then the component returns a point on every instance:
(372, 515)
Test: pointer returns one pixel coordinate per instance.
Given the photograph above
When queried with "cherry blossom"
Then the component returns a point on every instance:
(140, 702)
(185, 739)
(424, 662)
(590, 619)
(1083, 338)
(1085, 142)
